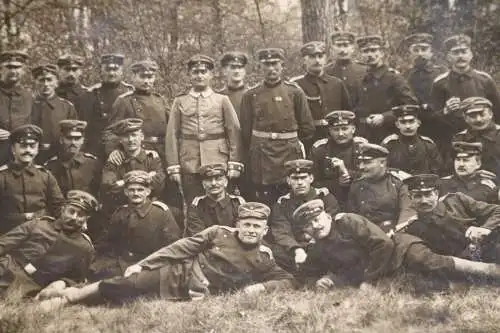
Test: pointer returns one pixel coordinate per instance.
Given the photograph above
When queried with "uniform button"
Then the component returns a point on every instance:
(362, 202)
(344, 78)
(217, 248)
(225, 236)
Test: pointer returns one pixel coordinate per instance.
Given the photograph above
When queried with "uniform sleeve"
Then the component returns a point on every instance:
(435, 160)
(439, 96)
(233, 130)
(170, 229)
(303, 115)
(158, 181)
(119, 111)
(352, 200)
(281, 228)
(276, 278)
(172, 135)
(331, 204)
(405, 209)
(487, 215)
(72, 114)
(55, 198)
(15, 237)
(246, 116)
(194, 222)
(346, 98)
(493, 95)
(80, 269)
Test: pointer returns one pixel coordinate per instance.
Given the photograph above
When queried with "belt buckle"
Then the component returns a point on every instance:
(274, 136)
(202, 136)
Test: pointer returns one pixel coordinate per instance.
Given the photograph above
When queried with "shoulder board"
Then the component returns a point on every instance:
(359, 139)
(426, 138)
(182, 93)
(225, 227)
(255, 86)
(127, 93)
(497, 126)
(442, 76)
(320, 142)
(197, 199)
(95, 86)
(160, 204)
(84, 86)
(47, 218)
(462, 132)
(237, 197)
(89, 155)
(447, 177)
(390, 138)
(486, 75)
(488, 182)
(393, 70)
(399, 174)
(4, 167)
(322, 191)
(447, 195)
(283, 197)
(64, 100)
(87, 237)
(128, 85)
(293, 84)
(295, 78)
(40, 167)
(339, 216)
(267, 250)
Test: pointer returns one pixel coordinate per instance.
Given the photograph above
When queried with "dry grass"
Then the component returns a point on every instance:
(383, 309)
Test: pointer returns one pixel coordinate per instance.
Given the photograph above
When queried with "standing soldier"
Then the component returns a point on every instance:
(274, 116)
(324, 93)
(70, 87)
(344, 67)
(203, 129)
(27, 190)
(99, 100)
(234, 70)
(15, 101)
(49, 109)
(381, 89)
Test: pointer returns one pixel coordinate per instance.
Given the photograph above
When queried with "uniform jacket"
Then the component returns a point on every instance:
(235, 96)
(420, 79)
(203, 129)
(205, 212)
(15, 107)
(477, 187)
(73, 93)
(351, 73)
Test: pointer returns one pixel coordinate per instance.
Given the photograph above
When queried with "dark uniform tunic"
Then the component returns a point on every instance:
(213, 260)
(415, 155)
(205, 212)
(73, 93)
(235, 95)
(32, 189)
(381, 89)
(351, 73)
(477, 187)
(39, 252)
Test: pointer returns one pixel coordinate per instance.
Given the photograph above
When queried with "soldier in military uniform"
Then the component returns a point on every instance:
(409, 151)
(379, 193)
(15, 101)
(49, 109)
(344, 66)
(74, 169)
(217, 206)
(274, 116)
(467, 177)
(381, 89)
(203, 129)
(421, 76)
(290, 241)
(217, 260)
(234, 69)
(460, 82)
(98, 101)
(70, 87)
(48, 253)
(27, 190)
(335, 158)
(135, 229)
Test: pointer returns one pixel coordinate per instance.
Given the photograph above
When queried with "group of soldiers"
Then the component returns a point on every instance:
(344, 175)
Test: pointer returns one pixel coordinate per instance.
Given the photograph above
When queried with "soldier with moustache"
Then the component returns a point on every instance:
(70, 87)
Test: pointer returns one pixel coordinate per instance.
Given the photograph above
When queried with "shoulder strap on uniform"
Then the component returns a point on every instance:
(95, 86)
(489, 183)
(266, 250)
(283, 197)
(255, 86)
(295, 78)
(40, 167)
(359, 139)
(89, 155)
(294, 84)
(463, 132)
(127, 85)
(197, 199)
(323, 191)
(87, 237)
(320, 142)
(441, 76)
(393, 70)
(392, 137)
(4, 167)
(227, 228)
(426, 138)
(339, 216)
(447, 177)
(484, 74)
(399, 174)
(160, 204)
(237, 197)
(127, 93)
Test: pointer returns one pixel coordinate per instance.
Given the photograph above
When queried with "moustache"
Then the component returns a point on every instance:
(27, 154)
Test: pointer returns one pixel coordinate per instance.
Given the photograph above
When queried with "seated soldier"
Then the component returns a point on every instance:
(219, 259)
(349, 250)
(135, 230)
(468, 178)
(216, 207)
(409, 151)
(379, 193)
(290, 242)
(47, 252)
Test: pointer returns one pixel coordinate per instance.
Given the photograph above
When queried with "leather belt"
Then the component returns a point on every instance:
(274, 136)
(203, 136)
(153, 139)
(321, 122)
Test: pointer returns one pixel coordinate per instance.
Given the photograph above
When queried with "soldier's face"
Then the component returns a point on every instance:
(342, 134)
(215, 186)
(235, 74)
(144, 81)
(272, 70)
(372, 55)
(251, 231)
(200, 78)
(74, 218)
(460, 57)
(70, 74)
(343, 50)
(46, 84)
(12, 74)
(466, 165)
(132, 141)
(25, 152)
(315, 63)
(372, 168)
(424, 202)
(111, 73)
(320, 226)
(421, 52)
(72, 144)
(136, 193)
(300, 183)
(408, 127)
(479, 120)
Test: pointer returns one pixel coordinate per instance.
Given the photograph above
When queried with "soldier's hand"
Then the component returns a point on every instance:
(476, 234)
(116, 157)
(176, 178)
(300, 256)
(453, 104)
(231, 174)
(4, 134)
(134, 269)
(324, 283)
(52, 290)
(254, 289)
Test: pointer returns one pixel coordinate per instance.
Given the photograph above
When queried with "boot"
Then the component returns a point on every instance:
(477, 268)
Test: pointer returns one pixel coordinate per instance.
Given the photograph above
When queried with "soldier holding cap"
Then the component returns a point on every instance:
(379, 193)
(70, 87)
(217, 206)
(98, 101)
(324, 93)
(48, 252)
(335, 158)
(290, 242)
(204, 258)
(203, 129)
(234, 70)
(468, 177)
(381, 89)
(15, 101)
(136, 229)
(274, 116)
(28, 190)
(409, 151)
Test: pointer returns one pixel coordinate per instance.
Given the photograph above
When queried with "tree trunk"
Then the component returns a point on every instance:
(314, 20)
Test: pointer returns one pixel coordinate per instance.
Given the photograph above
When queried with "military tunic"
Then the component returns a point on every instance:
(32, 189)
(73, 93)
(212, 261)
(204, 212)
(39, 252)
(351, 73)
(477, 187)
(235, 95)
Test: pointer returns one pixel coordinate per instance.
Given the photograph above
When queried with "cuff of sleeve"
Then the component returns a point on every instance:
(235, 166)
(174, 169)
